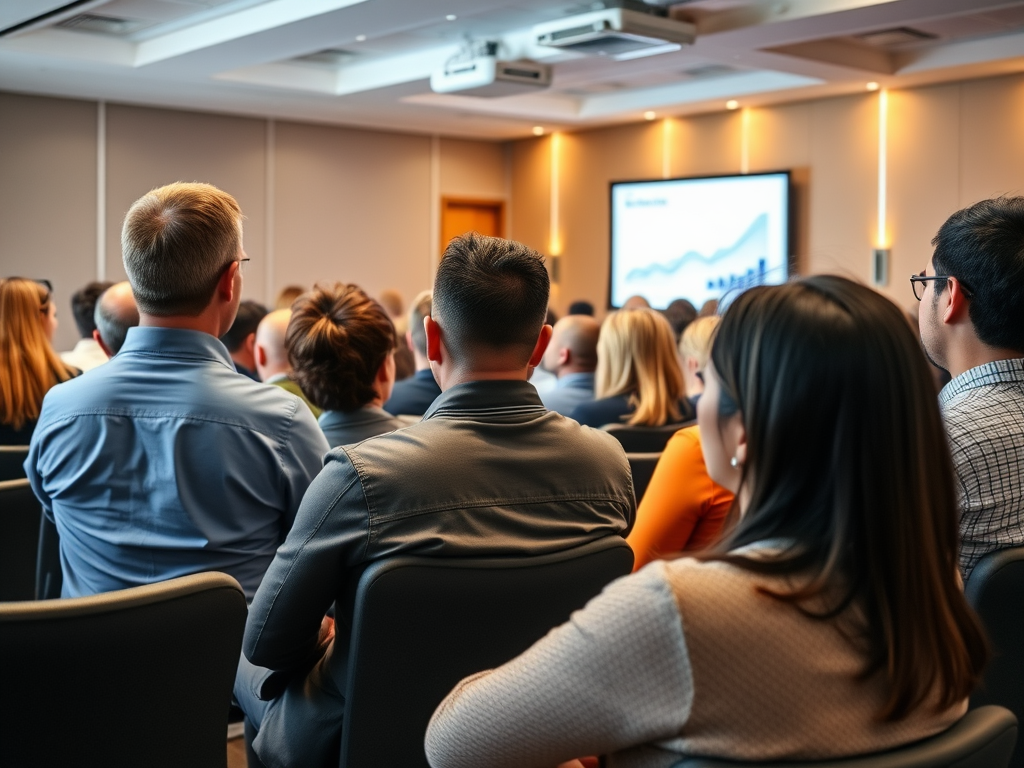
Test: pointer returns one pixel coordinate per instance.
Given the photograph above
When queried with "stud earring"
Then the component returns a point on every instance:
(734, 462)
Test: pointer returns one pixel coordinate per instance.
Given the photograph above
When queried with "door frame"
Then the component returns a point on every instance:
(479, 202)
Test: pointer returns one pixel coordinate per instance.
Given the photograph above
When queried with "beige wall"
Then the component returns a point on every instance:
(948, 146)
(327, 203)
(321, 202)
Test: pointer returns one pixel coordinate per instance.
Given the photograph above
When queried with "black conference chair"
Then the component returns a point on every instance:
(644, 439)
(12, 459)
(422, 624)
(996, 591)
(19, 538)
(49, 576)
(140, 677)
(642, 465)
(983, 738)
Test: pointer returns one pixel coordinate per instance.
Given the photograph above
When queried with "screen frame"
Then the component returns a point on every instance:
(791, 260)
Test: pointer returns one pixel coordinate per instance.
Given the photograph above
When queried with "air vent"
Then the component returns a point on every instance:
(104, 25)
(707, 71)
(889, 38)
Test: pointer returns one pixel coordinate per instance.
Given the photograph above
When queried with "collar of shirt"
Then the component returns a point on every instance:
(276, 378)
(487, 399)
(996, 372)
(175, 343)
(365, 415)
(577, 381)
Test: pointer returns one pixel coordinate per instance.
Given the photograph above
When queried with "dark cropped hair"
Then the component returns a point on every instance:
(847, 462)
(83, 305)
(337, 340)
(250, 313)
(983, 247)
(490, 294)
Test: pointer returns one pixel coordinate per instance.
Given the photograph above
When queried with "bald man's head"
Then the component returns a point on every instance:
(271, 355)
(573, 347)
(115, 313)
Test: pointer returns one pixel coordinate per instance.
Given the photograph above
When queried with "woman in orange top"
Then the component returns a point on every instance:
(682, 509)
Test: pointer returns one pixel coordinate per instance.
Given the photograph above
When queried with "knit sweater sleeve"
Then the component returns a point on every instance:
(616, 675)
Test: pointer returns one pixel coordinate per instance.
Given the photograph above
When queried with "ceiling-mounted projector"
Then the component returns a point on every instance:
(478, 72)
(616, 32)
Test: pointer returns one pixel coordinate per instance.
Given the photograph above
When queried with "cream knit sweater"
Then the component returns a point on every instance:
(681, 658)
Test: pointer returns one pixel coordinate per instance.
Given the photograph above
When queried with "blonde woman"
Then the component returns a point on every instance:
(639, 380)
(28, 365)
(694, 348)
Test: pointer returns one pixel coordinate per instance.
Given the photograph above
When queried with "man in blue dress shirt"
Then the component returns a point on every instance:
(572, 357)
(165, 461)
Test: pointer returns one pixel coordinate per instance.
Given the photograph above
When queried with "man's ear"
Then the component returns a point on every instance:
(564, 356)
(408, 341)
(260, 355)
(226, 283)
(433, 331)
(249, 343)
(542, 344)
(99, 340)
(957, 303)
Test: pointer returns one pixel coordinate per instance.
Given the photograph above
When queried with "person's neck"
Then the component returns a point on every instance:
(204, 323)
(267, 372)
(449, 379)
(566, 370)
(421, 362)
(966, 357)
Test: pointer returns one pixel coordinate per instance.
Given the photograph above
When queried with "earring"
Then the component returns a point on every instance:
(734, 462)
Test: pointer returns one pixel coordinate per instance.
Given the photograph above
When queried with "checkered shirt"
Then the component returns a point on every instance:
(984, 413)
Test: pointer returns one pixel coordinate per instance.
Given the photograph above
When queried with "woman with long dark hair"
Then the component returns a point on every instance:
(829, 623)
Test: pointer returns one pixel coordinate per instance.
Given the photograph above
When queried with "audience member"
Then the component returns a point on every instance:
(636, 302)
(240, 338)
(572, 357)
(29, 367)
(708, 308)
(543, 380)
(694, 348)
(405, 361)
(87, 353)
(164, 461)
(341, 347)
(115, 313)
(581, 308)
(831, 623)
(287, 296)
(680, 313)
(639, 381)
(272, 356)
(413, 396)
(972, 325)
(683, 509)
(488, 472)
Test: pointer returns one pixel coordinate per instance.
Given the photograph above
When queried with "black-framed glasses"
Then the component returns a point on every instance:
(921, 278)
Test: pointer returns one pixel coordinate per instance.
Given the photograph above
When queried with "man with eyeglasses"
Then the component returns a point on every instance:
(972, 325)
(165, 461)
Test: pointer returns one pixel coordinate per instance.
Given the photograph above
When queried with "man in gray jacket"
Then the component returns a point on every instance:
(488, 472)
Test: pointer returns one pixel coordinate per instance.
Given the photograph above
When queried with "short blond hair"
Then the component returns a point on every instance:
(636, 355)
(176, 242)
(697, 338)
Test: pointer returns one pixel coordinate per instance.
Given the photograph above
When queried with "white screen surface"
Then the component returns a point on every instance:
(698, 239)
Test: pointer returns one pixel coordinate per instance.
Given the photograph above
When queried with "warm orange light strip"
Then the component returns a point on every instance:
(883, 126)
(555, 235)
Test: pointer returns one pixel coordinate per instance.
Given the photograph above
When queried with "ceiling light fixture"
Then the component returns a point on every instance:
(360, 38)
(732, 104)
(649, 115)
(538, 130)
(451, 17)
(872, 86)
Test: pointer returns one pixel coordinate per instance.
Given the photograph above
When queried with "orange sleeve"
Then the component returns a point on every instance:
(682, 508)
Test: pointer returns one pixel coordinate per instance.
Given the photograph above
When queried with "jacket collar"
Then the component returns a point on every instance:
(495, 398)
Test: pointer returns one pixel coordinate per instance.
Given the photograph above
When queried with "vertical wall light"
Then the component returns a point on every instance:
(101, 191)
(745, 140)
(554, 230)
(666, 148)
(880, 256)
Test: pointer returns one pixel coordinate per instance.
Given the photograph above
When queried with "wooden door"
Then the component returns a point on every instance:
(459, 216)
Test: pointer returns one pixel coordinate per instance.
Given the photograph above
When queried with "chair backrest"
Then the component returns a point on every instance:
(644, 439)
(996, 591)
(137, 677)
(642, 465)
(19, 539)
(12, 460)
(983, 738)
(420, 625)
